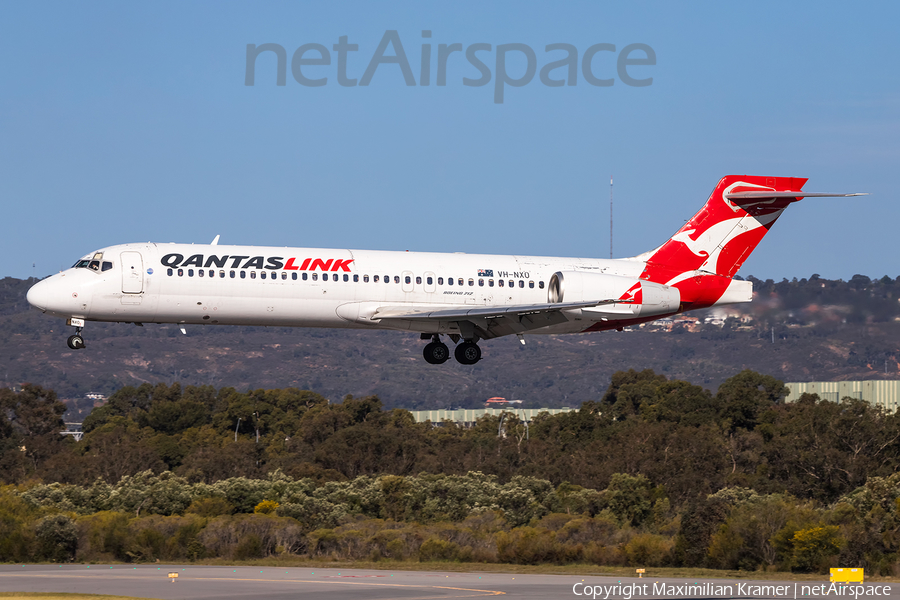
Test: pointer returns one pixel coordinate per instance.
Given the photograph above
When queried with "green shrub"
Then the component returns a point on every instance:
(57, 538)
(210, 507)
(527, 546)
(648, 550)
(815, 547)
(437, 549)
(249, 547)
(104, 535)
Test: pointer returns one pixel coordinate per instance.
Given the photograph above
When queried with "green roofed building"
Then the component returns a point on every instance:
(468, 417)
(878, 392)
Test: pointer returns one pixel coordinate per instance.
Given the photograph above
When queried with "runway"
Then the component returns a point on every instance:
(232, 583)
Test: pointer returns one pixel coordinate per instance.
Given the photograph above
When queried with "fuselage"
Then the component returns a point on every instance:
(311, 287)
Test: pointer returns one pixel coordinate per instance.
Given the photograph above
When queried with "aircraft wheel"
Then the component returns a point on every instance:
(427, 353)
(436, 353)
(75, 342)
(467, 353)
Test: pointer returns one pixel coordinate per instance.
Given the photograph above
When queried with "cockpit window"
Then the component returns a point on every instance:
(95, 263)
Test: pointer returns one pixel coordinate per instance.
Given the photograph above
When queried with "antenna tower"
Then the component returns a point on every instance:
(610, 216)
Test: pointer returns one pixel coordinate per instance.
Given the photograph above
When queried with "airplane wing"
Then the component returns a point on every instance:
(491, 321)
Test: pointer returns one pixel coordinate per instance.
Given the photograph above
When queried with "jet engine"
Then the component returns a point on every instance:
(637, 298)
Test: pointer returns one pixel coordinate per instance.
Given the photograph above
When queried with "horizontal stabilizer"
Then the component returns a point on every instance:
(763, 195)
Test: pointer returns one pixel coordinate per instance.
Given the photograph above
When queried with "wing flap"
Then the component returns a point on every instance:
(464, 313)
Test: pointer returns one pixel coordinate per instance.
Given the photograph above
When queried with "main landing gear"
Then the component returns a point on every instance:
(436, 352)
(467, 353)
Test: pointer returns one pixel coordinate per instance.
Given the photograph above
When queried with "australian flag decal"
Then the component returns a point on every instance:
(485, 272)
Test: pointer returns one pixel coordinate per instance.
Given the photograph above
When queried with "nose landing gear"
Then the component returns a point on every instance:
(76, 342)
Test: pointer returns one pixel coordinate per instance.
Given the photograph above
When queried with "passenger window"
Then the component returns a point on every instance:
(512, 283)
(531, 284)
(346, 277)
(440, 280)
(190, 272)
(284, 275)
(315, 276)
(243, 274)
(169, 272)
(221, 274)
(397, 278)
(481, 283)
(541, 284)
(500, 283)
(180, 272)
(106, 265)
(294, 276)
(471, 282)
(252, 274)
(387, 278)
(407, 279)
(201, 273)
(304, 276)
(365, 279)
(460, 281)
(355, 278)
(490, 283)
(262, 275)
(521, 283)
(230, 274)
(449, 281)
(418, 281)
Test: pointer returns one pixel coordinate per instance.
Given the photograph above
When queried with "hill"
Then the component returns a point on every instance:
(811, 329)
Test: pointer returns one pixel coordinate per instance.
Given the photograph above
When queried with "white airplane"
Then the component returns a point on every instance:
(467, 297)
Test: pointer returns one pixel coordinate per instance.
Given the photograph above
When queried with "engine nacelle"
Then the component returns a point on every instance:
(639, 298)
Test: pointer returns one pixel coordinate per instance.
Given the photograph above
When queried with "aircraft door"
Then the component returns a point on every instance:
(406, 281)
(132, 273)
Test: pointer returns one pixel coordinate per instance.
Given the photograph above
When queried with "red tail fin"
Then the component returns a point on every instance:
(718, 239)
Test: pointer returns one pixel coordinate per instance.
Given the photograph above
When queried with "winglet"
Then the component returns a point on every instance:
(215, 241)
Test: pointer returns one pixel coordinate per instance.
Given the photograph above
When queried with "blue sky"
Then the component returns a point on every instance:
(131, 122)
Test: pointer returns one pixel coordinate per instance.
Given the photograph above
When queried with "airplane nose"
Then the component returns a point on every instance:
(40, 295)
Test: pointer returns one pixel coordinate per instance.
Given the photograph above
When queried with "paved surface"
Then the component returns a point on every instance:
(233, 583)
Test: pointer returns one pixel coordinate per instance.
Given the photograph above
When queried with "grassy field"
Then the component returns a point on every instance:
(41, 596)
(461, 567)
(574, 569)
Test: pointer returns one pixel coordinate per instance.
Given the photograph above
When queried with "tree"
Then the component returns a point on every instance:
(57, 538)
(30, 422)
(745, 397)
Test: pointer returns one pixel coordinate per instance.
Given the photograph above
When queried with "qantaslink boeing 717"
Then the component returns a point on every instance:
(465, 297)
